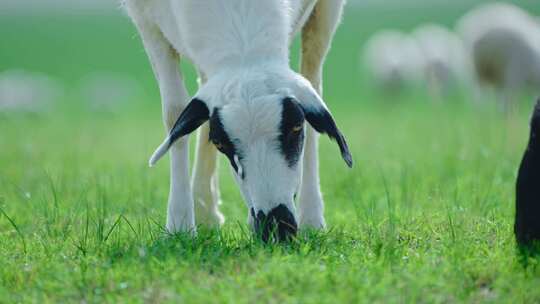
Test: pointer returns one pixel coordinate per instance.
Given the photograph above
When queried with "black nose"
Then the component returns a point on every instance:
(279, 224)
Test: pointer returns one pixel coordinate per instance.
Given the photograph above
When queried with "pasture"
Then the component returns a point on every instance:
(425, 215)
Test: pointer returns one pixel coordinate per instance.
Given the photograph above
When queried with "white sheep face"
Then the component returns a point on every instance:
(260, 130)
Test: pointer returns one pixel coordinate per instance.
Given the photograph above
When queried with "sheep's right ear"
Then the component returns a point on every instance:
(193, 116)
(318, 115)
(322, 121)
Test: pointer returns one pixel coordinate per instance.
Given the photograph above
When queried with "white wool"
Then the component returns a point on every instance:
(26, 91)
(219, 33)
(445, 63)
(393, 58)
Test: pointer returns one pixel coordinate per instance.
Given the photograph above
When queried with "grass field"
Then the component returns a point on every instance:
(426, 214)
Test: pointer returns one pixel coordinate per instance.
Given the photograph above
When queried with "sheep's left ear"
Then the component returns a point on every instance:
(322, 121)
(194, 115)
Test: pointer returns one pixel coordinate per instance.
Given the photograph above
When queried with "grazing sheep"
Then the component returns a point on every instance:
(527, 224)
(25, 91)
(254, 103)
(393, 59)
(444, 65)
(504, 44)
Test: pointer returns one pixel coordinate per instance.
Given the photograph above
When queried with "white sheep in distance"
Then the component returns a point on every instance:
(444, 65)
(504, 44)
(28, 92)
(393, 59)
(251, 106)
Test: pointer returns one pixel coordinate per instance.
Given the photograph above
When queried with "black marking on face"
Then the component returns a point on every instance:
(279, 224)
(219, 137)
(291, 136)
(527, 223)
(321, 120)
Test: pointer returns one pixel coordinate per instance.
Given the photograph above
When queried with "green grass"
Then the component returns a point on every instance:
(426, 214)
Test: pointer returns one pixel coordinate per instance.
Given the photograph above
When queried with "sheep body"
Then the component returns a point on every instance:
(444, 65)
(503, 42)
(247, 101)
(393, 59)
(527, 224)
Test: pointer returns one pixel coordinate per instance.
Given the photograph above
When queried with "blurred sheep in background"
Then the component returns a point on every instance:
(31, 92)
(24, 91)
(504, 44)
(393, 59)
(430, 57)
(444, 65)
(496, 45)
(107, 91)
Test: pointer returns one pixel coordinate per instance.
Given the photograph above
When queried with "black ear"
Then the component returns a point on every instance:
(193, 116)
(322, 121)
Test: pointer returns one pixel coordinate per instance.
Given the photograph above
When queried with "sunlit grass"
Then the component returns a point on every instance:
(425, 215)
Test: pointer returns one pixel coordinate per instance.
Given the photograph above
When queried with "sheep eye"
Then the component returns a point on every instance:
(297, 128)
(218, 145)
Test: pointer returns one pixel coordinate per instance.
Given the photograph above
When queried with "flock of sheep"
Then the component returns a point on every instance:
(25, 91)
(495, 45)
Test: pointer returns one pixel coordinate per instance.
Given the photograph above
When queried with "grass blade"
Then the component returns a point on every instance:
(12, 222)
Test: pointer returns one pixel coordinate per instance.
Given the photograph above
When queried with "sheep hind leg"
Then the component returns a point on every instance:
(205, 179)
(317, 36)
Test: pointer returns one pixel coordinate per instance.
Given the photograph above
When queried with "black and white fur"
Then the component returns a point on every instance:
(250, 105)
(527, 224)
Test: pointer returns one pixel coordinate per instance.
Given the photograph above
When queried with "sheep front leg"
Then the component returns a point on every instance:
(164, 60)
(317, 36)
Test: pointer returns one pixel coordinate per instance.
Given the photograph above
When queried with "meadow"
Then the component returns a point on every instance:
(425, 215)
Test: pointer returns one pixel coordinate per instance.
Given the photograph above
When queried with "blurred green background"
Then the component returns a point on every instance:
(69, 39)
(425, 215)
